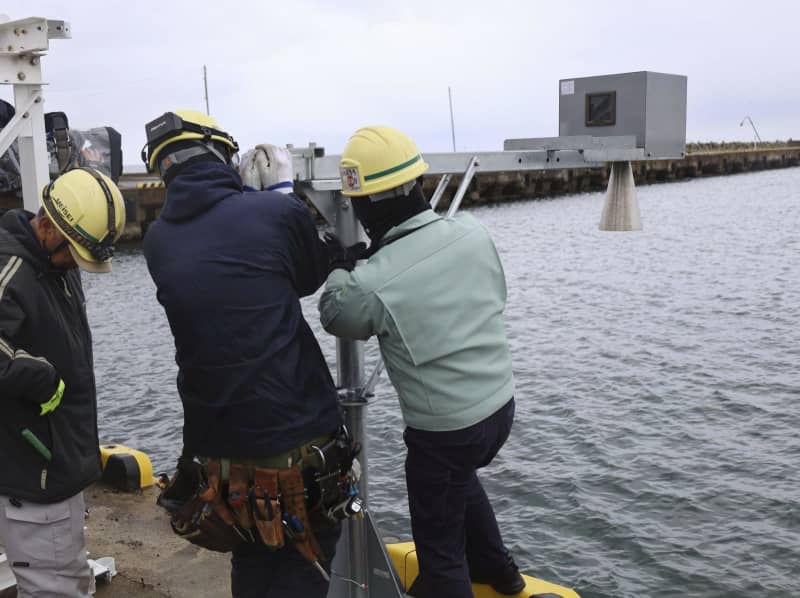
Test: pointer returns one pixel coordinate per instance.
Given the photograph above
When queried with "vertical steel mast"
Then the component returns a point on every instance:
(361, 567)
(350, 366)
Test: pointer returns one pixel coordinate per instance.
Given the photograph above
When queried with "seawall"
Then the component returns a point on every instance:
(145, 195)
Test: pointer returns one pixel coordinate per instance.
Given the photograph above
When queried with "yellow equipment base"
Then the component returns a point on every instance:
(126, 468)
(404, 558)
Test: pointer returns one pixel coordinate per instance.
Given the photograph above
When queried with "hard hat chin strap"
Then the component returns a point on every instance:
(51, 252)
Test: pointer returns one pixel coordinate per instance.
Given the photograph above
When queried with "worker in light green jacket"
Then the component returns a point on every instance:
(433, 292)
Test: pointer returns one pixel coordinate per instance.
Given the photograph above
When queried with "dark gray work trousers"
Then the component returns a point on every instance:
(452, 520)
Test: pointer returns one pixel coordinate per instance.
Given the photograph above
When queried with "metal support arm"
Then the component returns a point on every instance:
(15, 126)
(462, 188)
(322, 172)
(440, 188)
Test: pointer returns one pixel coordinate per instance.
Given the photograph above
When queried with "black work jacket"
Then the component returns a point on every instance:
(44, 336)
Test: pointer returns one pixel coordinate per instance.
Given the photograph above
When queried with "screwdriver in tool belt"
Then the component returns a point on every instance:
(292, 524)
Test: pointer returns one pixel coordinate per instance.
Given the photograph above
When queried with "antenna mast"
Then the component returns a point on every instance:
(452, 122)
(205, 86)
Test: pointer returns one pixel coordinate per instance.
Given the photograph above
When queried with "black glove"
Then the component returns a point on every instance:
(183, 485)
(340, 256)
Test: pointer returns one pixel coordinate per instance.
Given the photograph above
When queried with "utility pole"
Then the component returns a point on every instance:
(452, 122)
(757, 137)
(205, 86)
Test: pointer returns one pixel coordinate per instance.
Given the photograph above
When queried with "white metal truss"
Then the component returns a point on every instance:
(22, 44)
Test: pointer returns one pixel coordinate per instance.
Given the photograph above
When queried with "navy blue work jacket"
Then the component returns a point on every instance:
(230, 266)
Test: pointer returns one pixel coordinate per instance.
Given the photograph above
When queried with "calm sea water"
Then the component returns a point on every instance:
(656, 447)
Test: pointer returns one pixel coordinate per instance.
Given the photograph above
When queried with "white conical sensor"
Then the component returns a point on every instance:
(621, 211)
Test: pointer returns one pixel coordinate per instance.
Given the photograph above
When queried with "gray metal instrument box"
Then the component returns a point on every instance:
(650, 106)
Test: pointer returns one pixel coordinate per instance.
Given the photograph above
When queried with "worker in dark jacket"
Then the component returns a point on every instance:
(48, 421)
(230, 266)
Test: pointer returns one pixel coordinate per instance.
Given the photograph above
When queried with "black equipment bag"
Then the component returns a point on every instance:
(56, 126)
(115, 153)
(10, 181)
(7, 112)
(54, 121)
(100, 148)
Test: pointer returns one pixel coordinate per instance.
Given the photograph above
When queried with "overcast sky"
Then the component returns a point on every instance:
(309, 70)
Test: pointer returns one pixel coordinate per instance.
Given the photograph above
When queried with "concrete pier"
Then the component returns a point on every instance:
(151, 561)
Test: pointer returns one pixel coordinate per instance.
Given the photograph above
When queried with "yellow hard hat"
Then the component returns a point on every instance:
(87, 208)
(377, 159)
(181, 125)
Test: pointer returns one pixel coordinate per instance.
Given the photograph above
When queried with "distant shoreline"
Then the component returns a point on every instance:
(144, 194)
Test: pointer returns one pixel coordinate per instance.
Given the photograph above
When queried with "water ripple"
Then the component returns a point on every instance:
(655, 448)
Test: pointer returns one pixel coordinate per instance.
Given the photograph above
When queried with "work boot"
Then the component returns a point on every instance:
(507, 582)
(510, 582)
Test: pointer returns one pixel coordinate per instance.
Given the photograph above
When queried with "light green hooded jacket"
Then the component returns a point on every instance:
(434, 295)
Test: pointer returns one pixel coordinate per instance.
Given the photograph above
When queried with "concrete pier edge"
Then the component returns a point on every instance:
(145, 196)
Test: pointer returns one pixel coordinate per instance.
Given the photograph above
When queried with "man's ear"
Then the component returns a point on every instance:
(47, 230)
(46, 225)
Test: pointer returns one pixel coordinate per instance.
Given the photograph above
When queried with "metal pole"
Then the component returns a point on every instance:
(350, 373)
(462, 188)
(372, 382)
(205, 86)
(439, 192)
(758, 137)
(452, 122)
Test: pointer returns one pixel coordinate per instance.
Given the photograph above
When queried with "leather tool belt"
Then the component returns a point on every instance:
(221, 503)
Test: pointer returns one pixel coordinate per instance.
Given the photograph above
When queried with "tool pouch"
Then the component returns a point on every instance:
(266, 509)
(212, 494)
(333, 484)
(238, 488)
(191, 517)
(201, 525)
(293, 497)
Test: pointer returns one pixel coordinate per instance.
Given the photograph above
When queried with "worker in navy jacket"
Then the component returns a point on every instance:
(230, 266)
